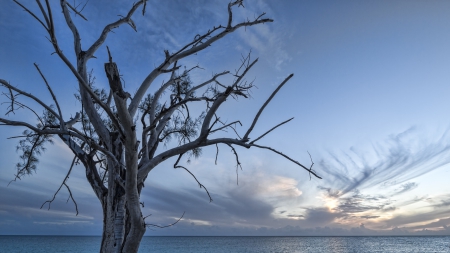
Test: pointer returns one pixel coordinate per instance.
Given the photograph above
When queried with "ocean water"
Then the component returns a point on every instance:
(82, 244)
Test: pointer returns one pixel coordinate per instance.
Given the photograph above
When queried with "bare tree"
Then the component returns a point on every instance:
(116, 136)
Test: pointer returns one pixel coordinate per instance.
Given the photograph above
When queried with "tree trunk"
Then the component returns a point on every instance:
(113, 241)
(114, 223)
(123, 224)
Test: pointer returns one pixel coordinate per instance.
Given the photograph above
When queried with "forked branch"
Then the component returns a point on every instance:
(46, 107)
(199, 43)
(127, 19)
(245, 138)
(270, 130)
(77, 12)
(64, 183)
(238, 163)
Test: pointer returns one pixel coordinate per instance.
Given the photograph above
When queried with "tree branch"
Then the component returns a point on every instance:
(72, 27)
(245, 138)
(206, 82)
(153, 225)
(61, 121)
(225, 126)
(290, 159)
(95, 118)
(76, 11)
(90, 52)
(64, 183)
(238, 163)
(9, 86)
(176, 166)
(221, 98)
(34, 15)
(273, 128)
(198, 45)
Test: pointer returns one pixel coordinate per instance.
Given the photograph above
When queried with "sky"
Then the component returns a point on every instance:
(369, 99)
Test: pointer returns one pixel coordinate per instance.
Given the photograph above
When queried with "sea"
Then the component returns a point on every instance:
(173, 244)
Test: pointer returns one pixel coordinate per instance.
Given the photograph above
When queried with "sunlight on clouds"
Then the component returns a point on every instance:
(282, 193)
(280, 187)
(375, 186)
(417, 226)
(197, 222)
(330, 203)
(329, 198)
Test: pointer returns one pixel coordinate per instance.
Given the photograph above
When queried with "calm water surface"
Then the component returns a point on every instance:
(80, 244)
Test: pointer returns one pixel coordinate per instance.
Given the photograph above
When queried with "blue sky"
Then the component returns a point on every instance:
(369, 96)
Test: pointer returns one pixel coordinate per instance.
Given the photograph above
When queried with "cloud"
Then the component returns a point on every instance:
(186, 229)
(61, 223)
(239, 207)
(270, 187)
(440, 223)
(438, 202)
(295, 216)
(400, 158)
(412, 220)
(369, 216)
(330, 192)
(405, 188)
(268, 43)
(231, 206)
(21, 213)
(320, 217)
(358, 203)
(422, 216)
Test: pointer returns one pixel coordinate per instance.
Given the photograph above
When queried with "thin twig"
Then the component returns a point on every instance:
(217, 153)
(312, 163)
(32, 14)
(225, 126)
(238, 163)
(273, 128)
(290, 159)
(153, 225)
(76, 12)
(198, 182)
(64, 183)
(9, 86)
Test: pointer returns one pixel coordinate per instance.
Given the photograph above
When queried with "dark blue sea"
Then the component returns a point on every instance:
(85, 244)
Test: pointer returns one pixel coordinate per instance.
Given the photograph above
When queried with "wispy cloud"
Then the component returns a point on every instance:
(392, 163)
(61, 222)
(440, 223)
(405, 188)
(266, 40)
(400, 158)
(359, 203)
